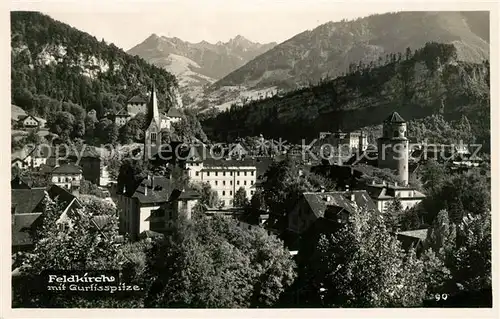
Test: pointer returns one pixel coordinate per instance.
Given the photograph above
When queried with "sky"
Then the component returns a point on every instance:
(259, 21)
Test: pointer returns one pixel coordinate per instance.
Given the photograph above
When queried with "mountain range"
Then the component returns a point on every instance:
(328, 51)
(198, 64)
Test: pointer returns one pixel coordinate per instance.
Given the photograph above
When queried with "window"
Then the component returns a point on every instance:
(230, 173)
(216, 174)
(251, 182)
(238, 173)
(153, 137)
(252, 192)
(197, 173)
(224, 183)
(208, 173)
(216, 183)
(223, 193)
(245, 183)
(231, 193)
(237, 182)
(223, 173)
(252, 173)
(245, 173)
(230, 182)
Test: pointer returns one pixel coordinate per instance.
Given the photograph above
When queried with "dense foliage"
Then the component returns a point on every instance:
(215, 263)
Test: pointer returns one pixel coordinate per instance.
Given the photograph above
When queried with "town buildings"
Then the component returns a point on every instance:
(383, 194)
(153, 192)
(225, 176)
(27, 207)
(67, 176)
(335, 206)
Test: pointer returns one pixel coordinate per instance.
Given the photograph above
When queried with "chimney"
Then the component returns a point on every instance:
(347, 188)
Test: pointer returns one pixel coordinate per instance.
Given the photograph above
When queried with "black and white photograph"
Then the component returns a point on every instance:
(251, 154)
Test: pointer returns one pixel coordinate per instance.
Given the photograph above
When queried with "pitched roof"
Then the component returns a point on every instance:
(155, 190)
(27, 201)
(61, 195)
(122, 112)
(417, 233)
(136, 99)
(20, 182)
(225, 163)
(21, 223)
(67, 169)
(319, 202)
(394, 118)
(173, 112)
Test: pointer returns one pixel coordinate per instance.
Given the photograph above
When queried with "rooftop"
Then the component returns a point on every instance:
(27, 201)
(137, 99)
(417, 233)
(173, 112)
(320, 201)
(67, 169)
(394, 118)
(154, 189)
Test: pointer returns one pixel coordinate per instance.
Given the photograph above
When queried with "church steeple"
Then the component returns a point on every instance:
(152, 129)
(152, 112)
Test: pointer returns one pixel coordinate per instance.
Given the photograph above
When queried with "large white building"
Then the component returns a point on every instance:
(225, 176)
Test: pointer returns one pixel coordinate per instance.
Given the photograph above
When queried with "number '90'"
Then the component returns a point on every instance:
(441, 296)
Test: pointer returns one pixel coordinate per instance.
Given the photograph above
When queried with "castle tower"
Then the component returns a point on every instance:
(393, 147)
(152, 129)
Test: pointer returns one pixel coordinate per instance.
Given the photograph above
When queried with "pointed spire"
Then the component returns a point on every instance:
(152, 112)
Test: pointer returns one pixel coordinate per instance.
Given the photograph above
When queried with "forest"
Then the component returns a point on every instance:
(57, 68)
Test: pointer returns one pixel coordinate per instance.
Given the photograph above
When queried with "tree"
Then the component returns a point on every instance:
(240, 198)
(393, 215)
(359, 264)
(213, 263)
(62, 124)
(89, 188)
(80, 245)
(98, 206)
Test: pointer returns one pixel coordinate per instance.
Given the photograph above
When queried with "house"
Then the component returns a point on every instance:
(334, 206)
(172, 116)
(153, 192)
(136, 105)
(89, 159)
(27, 207)
(179, 203)
(67, 176)
(383, 194)
(28, 121)
(121, 118)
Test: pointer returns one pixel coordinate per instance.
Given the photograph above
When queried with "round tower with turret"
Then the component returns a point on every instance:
(393, 147)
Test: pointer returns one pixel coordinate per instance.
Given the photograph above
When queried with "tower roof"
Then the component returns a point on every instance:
(394, 118)
(152, 113)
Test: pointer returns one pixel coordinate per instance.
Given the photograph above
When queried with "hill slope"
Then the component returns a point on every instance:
(430, 81)
(331, 47)
(198, 64)
(53, 62)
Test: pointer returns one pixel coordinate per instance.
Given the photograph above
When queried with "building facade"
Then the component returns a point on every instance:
(67, 176)
(384, 194)
(225, 177)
